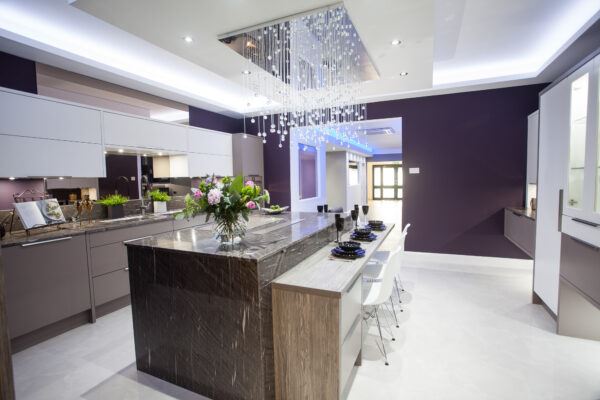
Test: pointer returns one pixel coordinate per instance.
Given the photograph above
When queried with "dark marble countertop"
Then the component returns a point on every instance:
(266, 235)
(74, 229)
(526, 212)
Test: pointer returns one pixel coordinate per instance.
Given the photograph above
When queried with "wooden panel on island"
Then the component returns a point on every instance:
(317, 329)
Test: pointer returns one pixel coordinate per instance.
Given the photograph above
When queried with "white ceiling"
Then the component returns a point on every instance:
(447, 45)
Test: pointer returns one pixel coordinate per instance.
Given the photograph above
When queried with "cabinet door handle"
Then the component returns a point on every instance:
(582, 221)
(140, 238)
(46, 241)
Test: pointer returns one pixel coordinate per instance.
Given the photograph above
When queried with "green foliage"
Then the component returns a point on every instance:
(113, 200)
(157, 195)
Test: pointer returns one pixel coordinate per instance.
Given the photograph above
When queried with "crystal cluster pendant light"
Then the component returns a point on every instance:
(310, 70)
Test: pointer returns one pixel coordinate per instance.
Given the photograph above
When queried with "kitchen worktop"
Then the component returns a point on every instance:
(75, 228)
(525, 212)
(266, 235)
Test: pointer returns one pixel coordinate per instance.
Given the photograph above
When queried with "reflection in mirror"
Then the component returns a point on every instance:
(307, 171)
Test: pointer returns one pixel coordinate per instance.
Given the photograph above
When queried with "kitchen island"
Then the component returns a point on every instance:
(202, 313)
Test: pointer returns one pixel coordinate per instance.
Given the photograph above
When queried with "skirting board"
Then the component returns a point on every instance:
(413, 258)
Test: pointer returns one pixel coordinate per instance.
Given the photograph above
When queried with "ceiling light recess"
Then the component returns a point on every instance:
(396, 42)
(311, 68)
(188, 39)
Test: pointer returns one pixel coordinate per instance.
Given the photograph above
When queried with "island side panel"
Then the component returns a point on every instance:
(307, 342)
(197, 322)
(269, 269)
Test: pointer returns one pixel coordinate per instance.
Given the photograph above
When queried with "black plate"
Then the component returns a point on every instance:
(349, 246)
(362, 231)
(379, 228)
(369, 238)
(337, 252)
(375, 222)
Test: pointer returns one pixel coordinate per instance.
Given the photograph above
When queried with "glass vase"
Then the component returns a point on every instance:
(230, 231)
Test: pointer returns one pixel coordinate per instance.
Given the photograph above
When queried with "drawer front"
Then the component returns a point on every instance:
(119, 235)
(520, 230)
(350, 307)
(581, 230)
(111, 286)
(350, 349)
(580, 265)
(108, 258)
(45, 283)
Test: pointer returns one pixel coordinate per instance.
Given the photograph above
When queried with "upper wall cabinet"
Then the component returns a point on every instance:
(209, 164)
(38, 117)
(209, 142)
(136, 132)
(582, 186)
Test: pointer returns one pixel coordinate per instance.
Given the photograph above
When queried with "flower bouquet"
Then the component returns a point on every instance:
(229, 200)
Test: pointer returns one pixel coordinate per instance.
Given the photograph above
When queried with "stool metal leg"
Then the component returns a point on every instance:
(381, 336)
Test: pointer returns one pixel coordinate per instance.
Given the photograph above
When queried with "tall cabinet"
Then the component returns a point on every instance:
(567, 256)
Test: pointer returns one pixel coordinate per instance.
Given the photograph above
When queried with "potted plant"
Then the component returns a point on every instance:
(229, 201)
(159, 200)
(114, 204)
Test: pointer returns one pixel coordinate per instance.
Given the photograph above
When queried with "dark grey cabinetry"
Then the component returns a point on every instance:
(46, 282)
(579, 295)
(108, 261)
(520, 230)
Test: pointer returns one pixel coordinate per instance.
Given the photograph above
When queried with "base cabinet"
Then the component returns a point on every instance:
(45, 282)
(520, 230)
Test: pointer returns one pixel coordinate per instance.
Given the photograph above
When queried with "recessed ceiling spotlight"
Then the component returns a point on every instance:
(145, 155)
(396, 42)
(60, 178)
(120, 150)
(403, 73)
(12, 178)
(188, 39)
(246, 72)
(160, 154)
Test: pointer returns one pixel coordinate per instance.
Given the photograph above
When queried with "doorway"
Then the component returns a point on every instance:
(387, 182)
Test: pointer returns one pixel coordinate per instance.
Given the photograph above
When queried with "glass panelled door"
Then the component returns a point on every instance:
(578, 125)
(387, 182)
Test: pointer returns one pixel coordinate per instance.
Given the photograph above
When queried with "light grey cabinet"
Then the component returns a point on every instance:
(520, 230)
(532, 146)
(46, 282)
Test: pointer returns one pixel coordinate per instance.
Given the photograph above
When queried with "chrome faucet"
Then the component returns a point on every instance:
(144, 207)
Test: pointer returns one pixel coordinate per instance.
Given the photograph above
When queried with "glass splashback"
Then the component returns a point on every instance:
(578, 127)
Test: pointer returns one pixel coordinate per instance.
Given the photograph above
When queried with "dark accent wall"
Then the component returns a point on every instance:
(9, 188)
(17, 73)
(210, 120)
(471, 151)
(116, 166)
(385, 157)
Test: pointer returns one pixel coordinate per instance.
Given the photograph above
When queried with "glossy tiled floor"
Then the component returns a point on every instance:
(468, 332)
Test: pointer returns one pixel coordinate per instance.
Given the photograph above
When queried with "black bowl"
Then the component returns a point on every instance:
(375, 222)
(362, 231)
(349, 246)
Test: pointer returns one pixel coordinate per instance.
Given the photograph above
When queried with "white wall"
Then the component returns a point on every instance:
(309, 205)
(336, 179)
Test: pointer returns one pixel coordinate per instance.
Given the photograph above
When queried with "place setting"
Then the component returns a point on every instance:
(347, 250)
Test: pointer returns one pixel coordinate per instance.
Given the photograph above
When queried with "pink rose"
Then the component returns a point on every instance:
(197, 194)
(251, 205)
(250, 183)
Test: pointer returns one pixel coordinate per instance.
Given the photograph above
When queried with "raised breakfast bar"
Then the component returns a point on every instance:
(203, 314)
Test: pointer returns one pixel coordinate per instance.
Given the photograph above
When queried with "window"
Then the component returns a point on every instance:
(387, 182)
(353, 173)
(307, 171)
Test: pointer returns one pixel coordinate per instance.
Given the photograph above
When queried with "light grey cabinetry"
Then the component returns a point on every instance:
(108, 259)
(520, 230)
(532, 146)
(46, 282)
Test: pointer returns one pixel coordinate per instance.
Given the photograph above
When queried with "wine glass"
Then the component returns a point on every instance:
(339, 226)
(357, 213)
(325, 208)
(354, 215)
(365, 210)
(320, 209)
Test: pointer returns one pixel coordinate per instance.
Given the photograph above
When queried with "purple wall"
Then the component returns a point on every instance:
(9, 188)
(119, 165)
(17, 73)
(385, 157)
(471, 151)
(201, 118)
